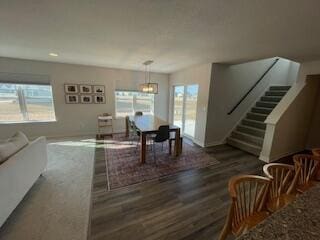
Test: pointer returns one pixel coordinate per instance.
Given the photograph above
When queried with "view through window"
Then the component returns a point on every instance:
(185, 108)
(129, 102)
(26, 102)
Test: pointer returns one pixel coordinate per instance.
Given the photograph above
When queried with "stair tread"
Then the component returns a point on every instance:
(267, 102)
(263, 108)
(246, 143)
(277, 91)
(248, 134)
(253, 128)
(279, 97)
(259, 114)
(279, 88)
(251, 120)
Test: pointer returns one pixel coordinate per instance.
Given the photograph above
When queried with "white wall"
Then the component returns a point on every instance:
(80, 119)
(194, 75)
(312, 68)
(230, 82)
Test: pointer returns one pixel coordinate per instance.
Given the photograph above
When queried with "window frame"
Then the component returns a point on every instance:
(22, 102)
(133, 101)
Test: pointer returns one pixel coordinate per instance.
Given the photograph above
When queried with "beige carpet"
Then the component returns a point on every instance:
(57, 206)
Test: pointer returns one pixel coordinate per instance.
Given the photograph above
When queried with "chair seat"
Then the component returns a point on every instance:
(276, 203)
(304, 187)
(250, 222)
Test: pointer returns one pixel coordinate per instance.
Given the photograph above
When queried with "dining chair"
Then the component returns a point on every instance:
(282, 188)
(248, 204)
(138, 113)
(162, 135)
(309, 166)
(316, 152)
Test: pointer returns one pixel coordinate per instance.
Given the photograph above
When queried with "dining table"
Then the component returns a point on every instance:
(298, 220)
(149, 124)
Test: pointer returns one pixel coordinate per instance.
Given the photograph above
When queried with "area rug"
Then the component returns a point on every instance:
(124, 168)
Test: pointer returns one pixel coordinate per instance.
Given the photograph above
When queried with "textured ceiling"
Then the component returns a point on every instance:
(174, 33)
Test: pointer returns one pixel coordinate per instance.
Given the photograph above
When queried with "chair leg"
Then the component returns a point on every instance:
(136, 148)
(154, 153)
(227, 226)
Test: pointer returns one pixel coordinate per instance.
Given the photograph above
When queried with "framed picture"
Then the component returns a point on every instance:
(71, 88)
(71, 98)
(99, 99)
(86, 98)
(86, 89)
(98, 89)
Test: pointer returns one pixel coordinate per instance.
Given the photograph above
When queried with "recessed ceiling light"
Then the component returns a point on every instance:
(53, 54)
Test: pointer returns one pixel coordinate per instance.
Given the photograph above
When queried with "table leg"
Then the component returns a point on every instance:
(177, 143)
(127, 128)
(143, 146)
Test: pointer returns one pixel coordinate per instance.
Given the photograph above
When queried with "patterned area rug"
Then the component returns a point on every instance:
(124, 168)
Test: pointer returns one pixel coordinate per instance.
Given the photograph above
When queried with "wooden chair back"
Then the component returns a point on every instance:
(249, 194)
(316, 152)
(283, 178)
(308, 166)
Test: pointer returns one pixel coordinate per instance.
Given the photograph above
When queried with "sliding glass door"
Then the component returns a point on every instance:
(185, 108)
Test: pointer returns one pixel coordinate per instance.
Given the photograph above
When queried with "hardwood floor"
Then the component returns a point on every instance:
(190, 205)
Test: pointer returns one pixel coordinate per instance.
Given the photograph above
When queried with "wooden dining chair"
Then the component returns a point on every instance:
(316, 152)
(248, 206)
(309, 166)
(282, 188)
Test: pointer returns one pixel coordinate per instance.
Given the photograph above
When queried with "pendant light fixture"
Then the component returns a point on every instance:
(147, 86)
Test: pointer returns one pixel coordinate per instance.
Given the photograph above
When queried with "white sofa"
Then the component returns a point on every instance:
(19, 173)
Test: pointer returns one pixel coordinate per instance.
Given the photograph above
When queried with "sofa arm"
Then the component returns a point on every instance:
(19, 173)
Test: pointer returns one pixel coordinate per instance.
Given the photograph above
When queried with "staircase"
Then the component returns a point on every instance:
(249, 134)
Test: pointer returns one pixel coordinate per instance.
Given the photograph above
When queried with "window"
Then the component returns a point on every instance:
(129, 102)
(26, 102)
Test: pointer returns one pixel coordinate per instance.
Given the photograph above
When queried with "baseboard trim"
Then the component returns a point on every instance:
(198, 143)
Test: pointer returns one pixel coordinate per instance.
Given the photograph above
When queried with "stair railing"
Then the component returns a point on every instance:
(250, 90)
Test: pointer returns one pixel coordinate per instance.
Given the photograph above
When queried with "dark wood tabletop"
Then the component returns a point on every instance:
(150, 123)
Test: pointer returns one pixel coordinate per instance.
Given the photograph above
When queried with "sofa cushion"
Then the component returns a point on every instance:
(12, 145)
